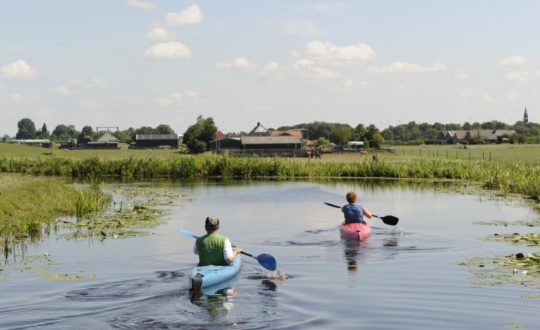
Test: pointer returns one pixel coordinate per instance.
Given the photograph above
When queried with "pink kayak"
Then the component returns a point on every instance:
(355, 231)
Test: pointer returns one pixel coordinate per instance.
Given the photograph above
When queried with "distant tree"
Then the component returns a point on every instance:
(60, 133)
(164, 129)
(27, 129)
(44, 133)
(374, 137)
(72, 132)
(86, 131)
(197, 136)
(322, 142)
(359, 133)
(6, 138)
(476, 125)
(126, 136)
(340, 135)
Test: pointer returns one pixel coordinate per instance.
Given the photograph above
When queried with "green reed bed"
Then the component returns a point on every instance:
(507, 178)
(29, 203)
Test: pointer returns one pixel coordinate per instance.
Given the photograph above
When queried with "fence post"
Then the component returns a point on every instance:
(490, 156)
(482, 155)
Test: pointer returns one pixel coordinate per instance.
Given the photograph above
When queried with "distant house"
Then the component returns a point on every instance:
(261, 141)
(259, 130)
(487, 135)
(270, 142)
(44, 143)
(143, 141)
(290, 132)
(106, 141)
(219, 135)
(225, 143)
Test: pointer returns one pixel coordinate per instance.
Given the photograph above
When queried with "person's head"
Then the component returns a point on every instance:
(211, 224)
(352, 197)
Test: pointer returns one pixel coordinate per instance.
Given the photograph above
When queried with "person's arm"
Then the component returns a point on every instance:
(195, 248)
(367, 214)
(229, 253)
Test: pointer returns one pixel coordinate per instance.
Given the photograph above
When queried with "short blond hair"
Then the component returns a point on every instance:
(351, 197)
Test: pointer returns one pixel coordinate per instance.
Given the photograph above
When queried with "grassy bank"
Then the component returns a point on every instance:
(29, 203)
(508, 178)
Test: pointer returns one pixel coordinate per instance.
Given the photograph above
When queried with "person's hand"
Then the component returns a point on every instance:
(237, 250)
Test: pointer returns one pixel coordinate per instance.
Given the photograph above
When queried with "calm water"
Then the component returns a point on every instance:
(400, 278)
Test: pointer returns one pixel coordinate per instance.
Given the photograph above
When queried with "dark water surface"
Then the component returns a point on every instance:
(400, 278)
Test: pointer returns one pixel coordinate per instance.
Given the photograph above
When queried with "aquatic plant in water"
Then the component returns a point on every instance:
(133, 211)
(529, 239)
(519, 268)
(29, 206)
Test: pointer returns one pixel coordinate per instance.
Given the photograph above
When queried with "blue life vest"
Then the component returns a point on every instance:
(353, 213)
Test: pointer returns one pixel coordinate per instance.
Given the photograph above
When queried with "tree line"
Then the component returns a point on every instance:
(411, 133)
(61, 133)
(197, 135)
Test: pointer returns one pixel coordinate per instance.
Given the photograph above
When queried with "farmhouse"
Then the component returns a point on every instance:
(487, 135)
(261, 141)
(143, 141)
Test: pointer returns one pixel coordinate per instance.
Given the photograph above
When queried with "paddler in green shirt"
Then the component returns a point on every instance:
(213, 248)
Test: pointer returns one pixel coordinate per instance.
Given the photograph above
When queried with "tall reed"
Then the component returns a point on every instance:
(512, 178)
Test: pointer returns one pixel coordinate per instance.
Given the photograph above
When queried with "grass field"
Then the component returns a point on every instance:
(28, 152)
(505, 153)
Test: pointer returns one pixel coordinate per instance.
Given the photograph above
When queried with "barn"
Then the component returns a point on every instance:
(144, 141)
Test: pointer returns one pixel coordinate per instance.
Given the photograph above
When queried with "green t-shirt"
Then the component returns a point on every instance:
(210, 249)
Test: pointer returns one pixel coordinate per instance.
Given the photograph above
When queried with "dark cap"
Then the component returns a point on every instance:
(212, 221)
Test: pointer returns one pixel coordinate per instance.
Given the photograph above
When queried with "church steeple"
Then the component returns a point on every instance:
(525, 116)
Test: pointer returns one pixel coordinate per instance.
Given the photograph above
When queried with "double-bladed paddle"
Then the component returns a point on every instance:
(265, 260)
(387, 219)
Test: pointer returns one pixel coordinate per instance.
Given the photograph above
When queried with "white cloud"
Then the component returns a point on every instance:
(88, 83)
(353, 83)
(472, 95)
(159, 34)
(305, 28)
(403, 67)
(169, 50)
(513, 61)
(518, 76)
(328, 52)
(238, 63)
(18, 69)
(462, 75)
(87, 104)
(77, 84)
(512, 95)
(306, 69)
(191, 15)
(60, 90)
(269, 68)
(179, 99)
(303, 69)
(142, 4)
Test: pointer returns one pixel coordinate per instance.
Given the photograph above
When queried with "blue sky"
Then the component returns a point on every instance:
(132, 63)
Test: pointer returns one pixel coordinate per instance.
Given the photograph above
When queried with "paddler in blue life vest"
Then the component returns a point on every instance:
(213, 248)
(354, 212)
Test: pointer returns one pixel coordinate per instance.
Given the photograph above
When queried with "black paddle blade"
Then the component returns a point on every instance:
(333, 205)
(267, 261)
(390, 220)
